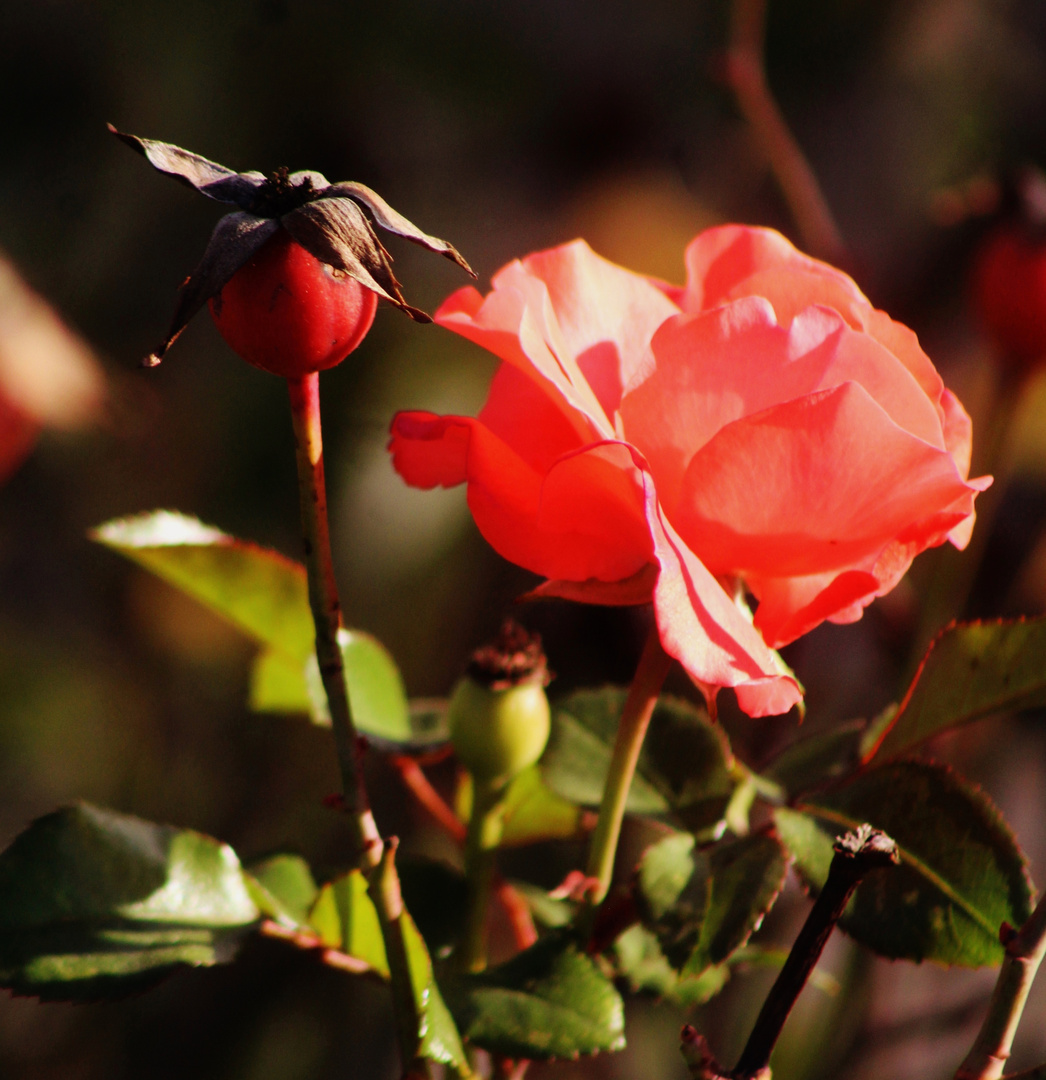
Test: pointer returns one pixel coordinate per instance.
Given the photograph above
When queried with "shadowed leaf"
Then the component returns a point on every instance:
(96, 904)
(961, 874)
(550, 1001)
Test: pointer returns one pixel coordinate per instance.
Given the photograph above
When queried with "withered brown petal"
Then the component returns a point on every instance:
(234, 240)
(394, 221)
(208, 177)
(337, 232)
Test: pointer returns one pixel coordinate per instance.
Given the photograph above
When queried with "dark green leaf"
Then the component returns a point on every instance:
(817, 759)
(534, 812)
(550, 1001)
(344, 918)
(283, 887)
(95, 904)
(664, 871)
(970, 671)
(265, 595)
(746, 877)
(684, 765)
(961, 874)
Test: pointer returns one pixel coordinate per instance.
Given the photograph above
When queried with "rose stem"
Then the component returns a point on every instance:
(856, 853)
(631, 730)
(370, 854)
(747, 79)
(481, 844)
(1024, 952)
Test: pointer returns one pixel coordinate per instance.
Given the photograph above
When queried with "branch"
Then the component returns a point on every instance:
(1024, 952)
(746, 77)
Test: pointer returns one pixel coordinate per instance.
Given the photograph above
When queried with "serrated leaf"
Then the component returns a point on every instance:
(283, 888)
(549, 1001)
(961, 874)
(640, 960)
(664, 871)
(745, 876)
(970, 671)
(684, 765)
(265, 595)
(345, 919)
(533, 812)
(95, 904)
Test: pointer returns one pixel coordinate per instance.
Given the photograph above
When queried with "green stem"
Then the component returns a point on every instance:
(375, 858)
(1024, 953)
(631, 730)
(481, 844)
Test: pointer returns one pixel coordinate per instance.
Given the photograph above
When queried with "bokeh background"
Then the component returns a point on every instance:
(505, 127)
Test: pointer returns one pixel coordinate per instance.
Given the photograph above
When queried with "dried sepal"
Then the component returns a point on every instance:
(234, 240)
(394, 221)
(323, 218)
(337, 232)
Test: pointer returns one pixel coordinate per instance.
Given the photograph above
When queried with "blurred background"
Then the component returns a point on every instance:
(504, 127)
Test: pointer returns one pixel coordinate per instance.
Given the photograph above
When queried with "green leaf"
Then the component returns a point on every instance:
(684, 765)
(95, 904)
(961, 874)
(970, 671)
(266, 595)
(745, 876)
(345, 919)
(664, 871)
(283, 887)
(817, 759)
(260, 591)
(640, 960)
(549, 1001)
(376, 693)
(533, 812)
(439, 1037)
(548, 911)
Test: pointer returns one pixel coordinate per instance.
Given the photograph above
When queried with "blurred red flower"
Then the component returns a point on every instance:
(763, 428)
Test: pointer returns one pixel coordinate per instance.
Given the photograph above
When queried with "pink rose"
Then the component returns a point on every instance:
(762, 428)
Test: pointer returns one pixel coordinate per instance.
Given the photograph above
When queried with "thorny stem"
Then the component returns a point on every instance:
(1024, 952)
(746, 76)
(856, 854)
(375, 858)
(631, 730)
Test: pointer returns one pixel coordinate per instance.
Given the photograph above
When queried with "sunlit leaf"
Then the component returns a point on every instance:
(549, 1001)
(534, 812)
(961, 874)
(664, 871)
(265, 595)
(344, 918)
(284, 888)
(970, 671)
(96, 904)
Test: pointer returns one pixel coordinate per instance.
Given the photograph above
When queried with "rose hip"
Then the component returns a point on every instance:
(286, 312)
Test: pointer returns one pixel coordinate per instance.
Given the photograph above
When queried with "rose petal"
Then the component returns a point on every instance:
(813, 485)
(790, 607)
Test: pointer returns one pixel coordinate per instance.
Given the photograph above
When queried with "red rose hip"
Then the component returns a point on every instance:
(1009, 287)
(286, 312)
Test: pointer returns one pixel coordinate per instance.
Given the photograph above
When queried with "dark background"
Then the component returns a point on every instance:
(504, 127)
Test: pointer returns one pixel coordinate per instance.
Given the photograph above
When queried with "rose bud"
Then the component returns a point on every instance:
(292, 277)
(499, 713)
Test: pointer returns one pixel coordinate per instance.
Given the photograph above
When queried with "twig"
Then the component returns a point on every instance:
(1025, 949)
(747, 79)
(415, 779)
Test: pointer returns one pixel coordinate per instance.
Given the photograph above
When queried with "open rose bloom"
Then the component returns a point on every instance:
(763, 429)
